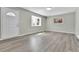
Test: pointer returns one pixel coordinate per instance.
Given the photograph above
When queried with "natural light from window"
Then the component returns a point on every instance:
(36, 21)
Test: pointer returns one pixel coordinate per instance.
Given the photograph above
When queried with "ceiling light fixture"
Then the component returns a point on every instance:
(48, 9)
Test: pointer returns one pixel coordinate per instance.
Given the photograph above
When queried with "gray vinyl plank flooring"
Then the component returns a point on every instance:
(41, 42)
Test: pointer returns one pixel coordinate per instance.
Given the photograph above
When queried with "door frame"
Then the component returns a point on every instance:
(2, 13)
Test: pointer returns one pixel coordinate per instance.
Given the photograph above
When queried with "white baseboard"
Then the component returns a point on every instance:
(62, 32)
(30, 33)
(37, 32)
(1, 39)
(77, 36)
(13, 37)
(19, 35)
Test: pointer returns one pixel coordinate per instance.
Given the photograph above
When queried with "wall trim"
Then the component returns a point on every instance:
(77, 36)
(61, 31)
(40, 32)
(21, 35)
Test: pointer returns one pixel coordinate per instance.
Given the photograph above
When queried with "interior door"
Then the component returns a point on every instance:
(9, 23)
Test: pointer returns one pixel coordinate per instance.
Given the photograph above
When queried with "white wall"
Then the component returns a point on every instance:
(9, 24)
(77, 23)
(68, 24)
(47, 23)
(0, 22)
(25, 22)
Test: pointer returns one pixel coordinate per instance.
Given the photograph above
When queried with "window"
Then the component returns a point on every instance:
(36, 21)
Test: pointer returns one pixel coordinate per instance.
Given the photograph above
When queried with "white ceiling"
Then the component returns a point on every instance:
(54, 11)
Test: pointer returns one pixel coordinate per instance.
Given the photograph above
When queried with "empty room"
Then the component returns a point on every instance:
(39, 29)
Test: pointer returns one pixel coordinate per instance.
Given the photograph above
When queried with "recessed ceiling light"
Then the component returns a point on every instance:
(48, 8)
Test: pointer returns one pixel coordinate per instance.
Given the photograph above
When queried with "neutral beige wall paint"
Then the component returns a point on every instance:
(25, 22)
(67, 26)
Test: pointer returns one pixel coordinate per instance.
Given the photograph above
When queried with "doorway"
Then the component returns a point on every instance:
(9, 23)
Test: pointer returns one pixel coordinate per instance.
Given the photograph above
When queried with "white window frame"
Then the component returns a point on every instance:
(34, 20)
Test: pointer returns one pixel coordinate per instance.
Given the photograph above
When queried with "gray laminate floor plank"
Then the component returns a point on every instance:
(41, 42)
